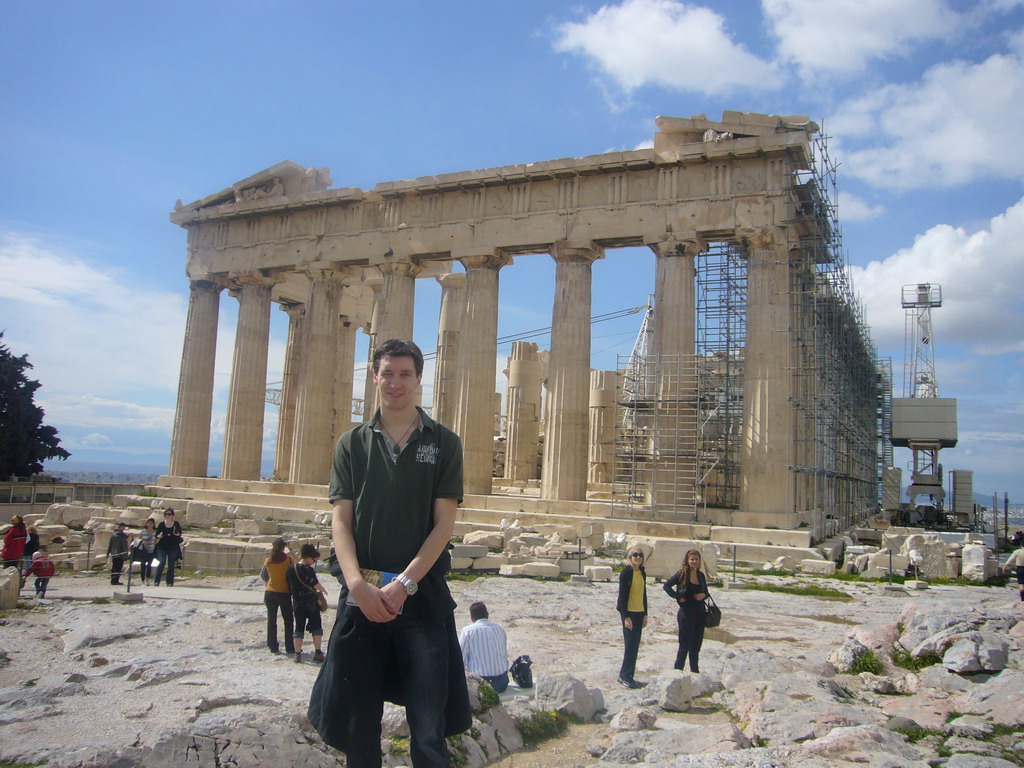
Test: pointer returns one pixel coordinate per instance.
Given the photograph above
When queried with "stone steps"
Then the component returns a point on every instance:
(295, 508)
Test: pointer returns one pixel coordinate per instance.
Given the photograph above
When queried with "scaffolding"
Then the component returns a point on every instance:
(721, 289)
(837, 388)
(680, 436)
(656, 438)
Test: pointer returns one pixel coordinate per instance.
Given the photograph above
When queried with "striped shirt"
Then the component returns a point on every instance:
(484, 648)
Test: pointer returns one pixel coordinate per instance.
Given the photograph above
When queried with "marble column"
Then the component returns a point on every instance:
(397, 301)
(675, 432)
(243, 429)
(767, 441)
(343, 379)
(289, 390)
(190, 443)
(522, 426)
(369, 390)
(314, 412)
(564, 474)
(446, 367)
(478, 361)
(603, 413)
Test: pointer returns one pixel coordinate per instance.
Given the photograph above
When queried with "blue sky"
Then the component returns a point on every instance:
(113, 110)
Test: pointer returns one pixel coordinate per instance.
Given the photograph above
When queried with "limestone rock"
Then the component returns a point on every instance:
(673, 691)
(823, 567)
(845, 657)
(10, 586)
(976, 652)
(492, 541)
(634, 719)
(662, 746)
(859, 744)
(564, 693)
(599, 572)
(969, 726)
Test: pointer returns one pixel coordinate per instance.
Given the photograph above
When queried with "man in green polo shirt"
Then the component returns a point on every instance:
(396, 482)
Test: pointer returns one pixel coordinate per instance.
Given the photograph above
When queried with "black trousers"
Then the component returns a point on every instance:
(631, 644)
(274, 601)
(691, 635)
(116, 564)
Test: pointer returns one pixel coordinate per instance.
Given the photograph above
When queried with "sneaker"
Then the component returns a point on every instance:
(318, 657)
(298, 657)
(627, 683)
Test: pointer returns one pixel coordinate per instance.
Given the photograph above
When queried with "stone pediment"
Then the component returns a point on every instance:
(286, 179)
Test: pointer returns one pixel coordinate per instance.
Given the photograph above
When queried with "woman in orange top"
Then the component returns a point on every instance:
(278, 595)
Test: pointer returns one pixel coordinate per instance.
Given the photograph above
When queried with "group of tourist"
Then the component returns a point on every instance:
(688, 587)
(160, 543)
(22, 550)
(293, 590)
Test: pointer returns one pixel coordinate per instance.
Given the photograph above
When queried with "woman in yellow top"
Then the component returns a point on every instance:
(632, 608)
(278, 595)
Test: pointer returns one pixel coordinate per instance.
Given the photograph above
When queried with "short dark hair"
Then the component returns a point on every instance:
(398, 348)
(478, 611)
(308, 550)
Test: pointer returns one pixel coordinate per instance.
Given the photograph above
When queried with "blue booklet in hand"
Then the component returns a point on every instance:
(379, 579)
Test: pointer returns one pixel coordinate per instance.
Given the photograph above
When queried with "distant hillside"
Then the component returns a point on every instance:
(106, 478)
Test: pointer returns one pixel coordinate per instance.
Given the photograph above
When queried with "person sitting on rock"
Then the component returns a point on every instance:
(485, 648)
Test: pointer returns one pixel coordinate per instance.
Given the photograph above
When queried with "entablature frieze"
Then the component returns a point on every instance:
(619, 199)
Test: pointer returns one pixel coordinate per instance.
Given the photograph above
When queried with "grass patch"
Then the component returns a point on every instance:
(914, 735)
(100, 601)
(398, 745)
(805, 591)
(769, 572)
(11, 764)
(867, 662)
(463, 575)
(904, 660)
(541, 726)
(488, 696)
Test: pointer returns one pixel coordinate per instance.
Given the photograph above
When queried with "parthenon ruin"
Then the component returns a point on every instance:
(756, 401)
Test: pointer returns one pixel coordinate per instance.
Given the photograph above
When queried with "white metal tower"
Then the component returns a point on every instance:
(919, 346)
(922, 421)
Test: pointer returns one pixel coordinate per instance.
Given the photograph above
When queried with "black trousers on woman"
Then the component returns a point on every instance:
(273, 601)
(631, 642)
(691, 635)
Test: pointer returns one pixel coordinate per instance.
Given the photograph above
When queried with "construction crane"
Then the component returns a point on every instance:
(921, 420)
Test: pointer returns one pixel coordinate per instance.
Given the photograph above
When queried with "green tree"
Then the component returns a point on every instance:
(25, 442)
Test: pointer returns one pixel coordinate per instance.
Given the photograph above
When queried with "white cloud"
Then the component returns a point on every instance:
(92, 412)
(84, 329)
(666, 43)
(853, 208)
(844, 36)
(96, 440)
(961, 122)
(983, 310)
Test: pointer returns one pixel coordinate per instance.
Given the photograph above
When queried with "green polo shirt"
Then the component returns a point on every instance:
(393, 500)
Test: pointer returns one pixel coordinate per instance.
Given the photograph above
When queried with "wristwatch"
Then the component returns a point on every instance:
(411, 587)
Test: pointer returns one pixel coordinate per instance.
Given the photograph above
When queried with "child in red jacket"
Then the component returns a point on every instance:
(43, 569)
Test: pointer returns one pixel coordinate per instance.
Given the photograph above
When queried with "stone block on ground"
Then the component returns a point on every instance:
(822, 567)
(490, 540)
(469, 550)
(599, 572)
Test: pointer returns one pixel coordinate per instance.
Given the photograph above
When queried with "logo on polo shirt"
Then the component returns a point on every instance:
(427, 454)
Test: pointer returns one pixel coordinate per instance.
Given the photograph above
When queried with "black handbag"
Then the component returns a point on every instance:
(712, 613)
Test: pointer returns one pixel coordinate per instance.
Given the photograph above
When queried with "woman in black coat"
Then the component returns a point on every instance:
(632, 608)
(689, 587)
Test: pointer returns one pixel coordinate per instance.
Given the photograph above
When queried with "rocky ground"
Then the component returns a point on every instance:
(172, 682)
